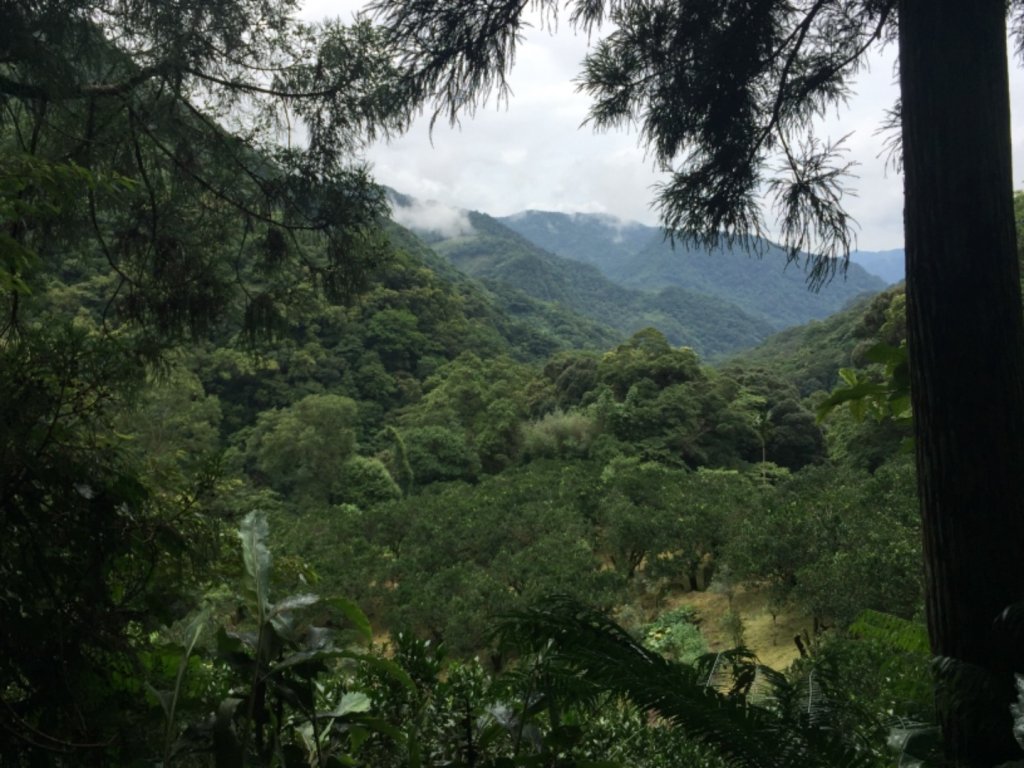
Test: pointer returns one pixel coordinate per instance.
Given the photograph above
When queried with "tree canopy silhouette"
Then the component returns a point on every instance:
(194, 124)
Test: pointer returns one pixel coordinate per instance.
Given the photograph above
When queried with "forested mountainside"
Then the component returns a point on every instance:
(274, 471)
(640, 257)
(810, 356)
(534, 326)
(507, 262)
(426, 451)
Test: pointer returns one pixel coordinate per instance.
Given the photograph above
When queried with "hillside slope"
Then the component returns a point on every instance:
(809, 356)
(533, 327)
(636, 256)
(505, 260)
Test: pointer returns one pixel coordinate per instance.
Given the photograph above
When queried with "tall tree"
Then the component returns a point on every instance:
(966, 347)
(724, 92)
(216, 123)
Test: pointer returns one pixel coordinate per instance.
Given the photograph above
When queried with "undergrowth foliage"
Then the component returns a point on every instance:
(747, 714)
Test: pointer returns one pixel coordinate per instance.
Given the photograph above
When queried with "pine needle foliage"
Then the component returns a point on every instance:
(233, 132)
(720, 92)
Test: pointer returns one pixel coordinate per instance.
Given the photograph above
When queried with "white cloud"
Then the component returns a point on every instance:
(532, 152)
(433, 216)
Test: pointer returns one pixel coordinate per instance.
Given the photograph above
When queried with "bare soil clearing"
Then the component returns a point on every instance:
(771, 639)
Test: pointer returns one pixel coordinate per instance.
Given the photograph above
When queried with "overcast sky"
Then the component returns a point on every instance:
(534, 154)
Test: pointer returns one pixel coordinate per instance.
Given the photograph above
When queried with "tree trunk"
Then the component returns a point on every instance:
(966, 343)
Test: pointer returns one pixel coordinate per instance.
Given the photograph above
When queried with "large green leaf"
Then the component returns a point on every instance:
(354, 614)
(351, 703)
(254, 533)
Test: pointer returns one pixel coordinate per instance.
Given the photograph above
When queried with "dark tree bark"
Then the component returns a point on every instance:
(966, 343)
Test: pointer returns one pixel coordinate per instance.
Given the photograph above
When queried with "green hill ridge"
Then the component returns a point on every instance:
(506, 261)
(639, 257)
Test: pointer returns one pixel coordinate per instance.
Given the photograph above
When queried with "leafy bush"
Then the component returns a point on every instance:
(437, 454)
(675, 635)
(302, 448)
(560, 434)
(365, 482)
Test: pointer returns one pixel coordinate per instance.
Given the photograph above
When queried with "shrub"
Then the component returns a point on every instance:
(561, 434)
(675, 635)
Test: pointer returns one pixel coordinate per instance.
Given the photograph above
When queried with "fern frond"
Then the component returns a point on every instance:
(586, 645)
(901, 634)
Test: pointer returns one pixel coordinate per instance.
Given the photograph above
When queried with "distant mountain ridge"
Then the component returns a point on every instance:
(888, 265)
(624, 276)
(500, 257)
(638, 256)
(534, 329)
(592, 238)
